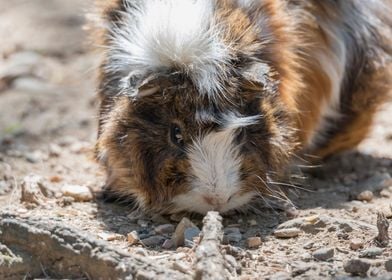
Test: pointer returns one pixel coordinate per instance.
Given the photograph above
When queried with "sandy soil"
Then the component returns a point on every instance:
(48, 126)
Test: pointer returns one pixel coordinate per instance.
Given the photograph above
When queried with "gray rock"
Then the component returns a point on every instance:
(300, 268)
(356, 266)
(191, 232)
(388, 265)
(324, 254)
(153, 241)
(371, 252)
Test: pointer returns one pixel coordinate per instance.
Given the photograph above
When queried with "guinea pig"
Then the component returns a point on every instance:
(205, 103)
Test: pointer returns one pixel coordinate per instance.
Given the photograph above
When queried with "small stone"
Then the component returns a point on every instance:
(287, 232)
(388, 265)
(178, 236)
(232, 250)
(54, 150)
(140, 252)
(300, 268)
(164, 229)
(365, 196)
(371, 252)
(153, 241)
(324, 254)
(133, 238)
(253, 242)
(306, 257)
(110, 236)
(35, 157)
(168, 244)
(356, 267)
(79, 193)
(191, 233)
(182, 267)
(66, 201)
(356, 244)
(385, 193)
(308, 245)
(32, 186)
(280, 276)
(231, 263)
(55, 179)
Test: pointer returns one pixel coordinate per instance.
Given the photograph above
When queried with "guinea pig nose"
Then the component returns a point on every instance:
(209, 200)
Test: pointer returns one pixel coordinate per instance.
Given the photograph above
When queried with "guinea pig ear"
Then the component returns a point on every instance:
(258, 75)
(140, 84)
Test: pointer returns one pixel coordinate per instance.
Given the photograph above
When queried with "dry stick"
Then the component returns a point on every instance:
(70, 252)
(210, 263)
(382, 239)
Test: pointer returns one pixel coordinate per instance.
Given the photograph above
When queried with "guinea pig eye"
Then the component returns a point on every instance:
(176, 135)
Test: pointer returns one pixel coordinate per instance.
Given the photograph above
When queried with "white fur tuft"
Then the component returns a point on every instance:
(215, 168)
(181, 35)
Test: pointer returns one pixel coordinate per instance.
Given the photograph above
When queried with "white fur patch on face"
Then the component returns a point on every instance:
(215, 175)
(181, 35)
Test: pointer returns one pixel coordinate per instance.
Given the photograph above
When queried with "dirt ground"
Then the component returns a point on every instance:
(47, 129)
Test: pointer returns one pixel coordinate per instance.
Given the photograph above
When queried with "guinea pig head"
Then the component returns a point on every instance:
(172, 149)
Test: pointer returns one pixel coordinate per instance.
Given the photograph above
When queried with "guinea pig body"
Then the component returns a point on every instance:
(204, 102)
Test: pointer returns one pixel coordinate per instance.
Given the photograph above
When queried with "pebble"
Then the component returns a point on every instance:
(54, 150)
(178, 236)
(253, 242)
(133, 238)
(164, 229)
(78, 192)
(32, 186)
(324, 254)
(292, 212)
(153, 241)
(140, 251)
(388, 265)
(356, 244)
(371, 252)
(110, 236)
(287, 232)
(308, 245)
(168, 244)
(300, 268)
(191, 232)
(365, 196)
(386, 194)
(306, 257)
(356, 266)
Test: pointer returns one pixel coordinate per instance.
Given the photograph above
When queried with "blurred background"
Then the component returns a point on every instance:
(47, 103)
